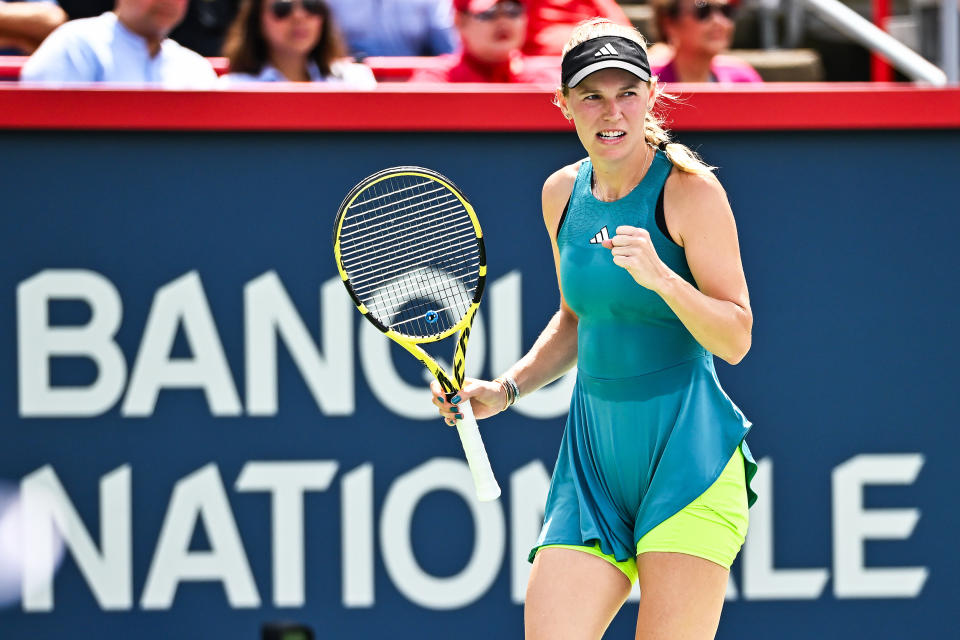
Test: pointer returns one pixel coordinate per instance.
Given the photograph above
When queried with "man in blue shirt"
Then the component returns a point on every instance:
(24, 25)
(127, 45)
(396, 27)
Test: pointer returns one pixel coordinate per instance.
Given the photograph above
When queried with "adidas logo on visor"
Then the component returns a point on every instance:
(611, 52)
(602, 235)
(606, 50)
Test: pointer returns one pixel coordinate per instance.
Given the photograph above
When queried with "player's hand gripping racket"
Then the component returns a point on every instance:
(410, 252)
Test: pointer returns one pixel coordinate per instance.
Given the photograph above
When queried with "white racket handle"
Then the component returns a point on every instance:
(483, 478)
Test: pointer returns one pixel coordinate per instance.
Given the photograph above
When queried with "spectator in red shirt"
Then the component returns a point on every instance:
(492, 33)
(552, 21)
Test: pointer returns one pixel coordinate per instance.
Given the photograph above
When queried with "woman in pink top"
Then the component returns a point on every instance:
(698, 31)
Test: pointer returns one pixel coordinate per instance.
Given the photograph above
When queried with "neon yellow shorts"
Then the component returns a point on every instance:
(712, 527)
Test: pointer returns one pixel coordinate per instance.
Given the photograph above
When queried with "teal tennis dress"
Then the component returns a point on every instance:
(649, 428)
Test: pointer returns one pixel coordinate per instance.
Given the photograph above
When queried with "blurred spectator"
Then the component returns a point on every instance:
(24, 25)
(205, 26)
(552, 22)
(492, 33)
(85, 8)
(290, 41)
(201, 30)
(128, 45)
(396, 27)
(697, 31)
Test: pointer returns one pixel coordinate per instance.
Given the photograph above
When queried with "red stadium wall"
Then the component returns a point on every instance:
(404, 107)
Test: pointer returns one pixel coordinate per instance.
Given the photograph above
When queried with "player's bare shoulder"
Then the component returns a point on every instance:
(689, 198)
(556, 192)
(697, 187)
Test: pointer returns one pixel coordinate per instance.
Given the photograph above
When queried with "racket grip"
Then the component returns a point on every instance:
(476, 453)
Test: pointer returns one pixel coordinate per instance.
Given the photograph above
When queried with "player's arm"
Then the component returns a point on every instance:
(718, 315)
(555, 350)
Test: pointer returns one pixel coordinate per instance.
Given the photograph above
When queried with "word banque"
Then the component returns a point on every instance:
(270, 318)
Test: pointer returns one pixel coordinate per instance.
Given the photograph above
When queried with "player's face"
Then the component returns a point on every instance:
(702, 27)
(152, 18)
(289, 28)
(608, 108)
(492, 35)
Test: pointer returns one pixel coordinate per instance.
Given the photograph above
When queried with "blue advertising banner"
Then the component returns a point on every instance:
(200, 434)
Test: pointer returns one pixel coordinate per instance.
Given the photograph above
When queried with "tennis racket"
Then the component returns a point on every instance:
(410, 251)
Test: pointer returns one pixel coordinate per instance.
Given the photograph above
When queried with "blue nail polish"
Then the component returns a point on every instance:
(459, 416)
(440, 398)
(455, 409)
(455, 400)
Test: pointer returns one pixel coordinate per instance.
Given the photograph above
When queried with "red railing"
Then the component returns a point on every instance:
(469, 107)
(880, 69)
(386, 69)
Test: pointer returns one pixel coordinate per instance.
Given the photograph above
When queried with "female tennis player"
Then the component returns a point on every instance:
(652, 478)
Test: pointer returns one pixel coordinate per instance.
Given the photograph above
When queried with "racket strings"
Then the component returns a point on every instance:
(413, 236)
(411, 253)
(417, 207)
(425, 227)
(396, 192)
(377, 276)
(398, 294)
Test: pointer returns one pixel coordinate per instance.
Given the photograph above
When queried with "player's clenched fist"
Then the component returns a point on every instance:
(633, 250)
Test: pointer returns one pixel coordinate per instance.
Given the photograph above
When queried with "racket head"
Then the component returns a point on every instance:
(409, 249)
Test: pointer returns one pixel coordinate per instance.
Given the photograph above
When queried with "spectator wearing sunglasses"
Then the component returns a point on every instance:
(396, 27)
(492, 33)
(290, 41)
(697, 32)
(127, 45)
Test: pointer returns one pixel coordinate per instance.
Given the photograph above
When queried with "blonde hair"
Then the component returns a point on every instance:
(656, 135)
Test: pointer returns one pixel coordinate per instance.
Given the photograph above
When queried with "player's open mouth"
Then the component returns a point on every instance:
(611, 135)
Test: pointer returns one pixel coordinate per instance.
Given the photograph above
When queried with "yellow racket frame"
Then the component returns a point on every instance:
(450, 385)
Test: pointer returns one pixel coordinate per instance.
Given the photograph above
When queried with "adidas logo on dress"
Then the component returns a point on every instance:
(606, 50)
(601, 236)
